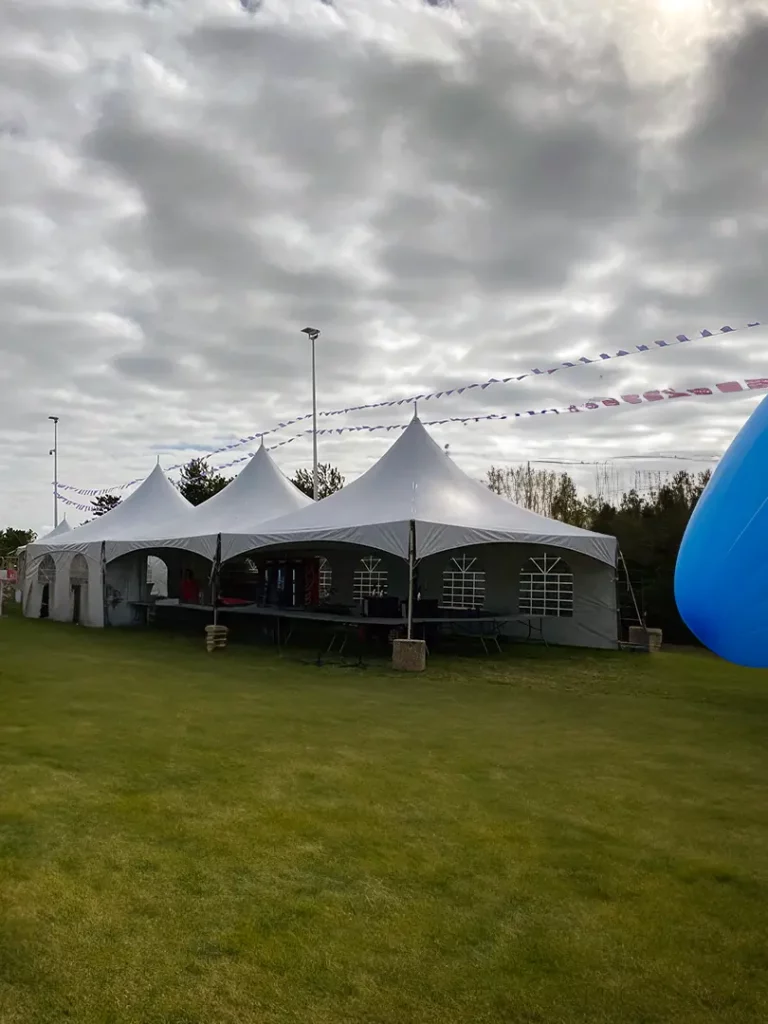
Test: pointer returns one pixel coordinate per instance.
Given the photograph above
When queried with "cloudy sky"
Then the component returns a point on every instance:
(449, 192)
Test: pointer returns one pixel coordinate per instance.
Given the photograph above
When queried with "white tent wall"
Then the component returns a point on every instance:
(594, 622)
(60, 603)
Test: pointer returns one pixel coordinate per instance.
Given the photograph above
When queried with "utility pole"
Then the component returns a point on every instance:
(55, 453)
(313, 334)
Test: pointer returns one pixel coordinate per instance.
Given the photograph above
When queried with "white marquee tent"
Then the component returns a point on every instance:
(78, 557)
(155, 517)
(414, 504)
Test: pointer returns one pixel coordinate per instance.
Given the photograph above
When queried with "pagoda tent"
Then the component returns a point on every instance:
(68, 571)
(260, 492)
(416, 503)
(190, 544)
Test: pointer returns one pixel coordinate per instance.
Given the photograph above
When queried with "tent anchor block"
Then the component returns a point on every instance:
(409, 655)
(215, 638)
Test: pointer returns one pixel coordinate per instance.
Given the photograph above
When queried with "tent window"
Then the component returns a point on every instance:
(326, 579)
(46, 573)
(370, 580)
(463, 583)
(78, 572)
(546, 587)
(157, 576)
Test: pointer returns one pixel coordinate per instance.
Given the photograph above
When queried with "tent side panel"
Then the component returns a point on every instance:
(594, 620)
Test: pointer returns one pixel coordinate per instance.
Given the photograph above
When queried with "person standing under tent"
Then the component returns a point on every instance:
(190, 591)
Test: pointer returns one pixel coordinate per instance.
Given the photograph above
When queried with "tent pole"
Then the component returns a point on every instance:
(103, 573)
(631, 588)
(215, 574)
(411, 562)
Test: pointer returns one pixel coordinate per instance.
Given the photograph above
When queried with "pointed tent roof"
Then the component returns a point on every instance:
(259, 492)
(154, 503)
(57, 531)
(417, 481)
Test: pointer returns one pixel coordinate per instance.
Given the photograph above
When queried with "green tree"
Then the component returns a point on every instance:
(566, 504)
(105, 503)
(329, 480)
(530, 488)
(12, 538)
(199, 482)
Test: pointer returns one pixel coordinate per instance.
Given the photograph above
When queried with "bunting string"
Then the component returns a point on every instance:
(391, 403)
(644, 398)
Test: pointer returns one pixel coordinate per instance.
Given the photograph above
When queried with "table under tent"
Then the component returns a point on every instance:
(413, 536)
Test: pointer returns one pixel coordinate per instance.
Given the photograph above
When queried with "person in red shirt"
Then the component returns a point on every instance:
(190, 593)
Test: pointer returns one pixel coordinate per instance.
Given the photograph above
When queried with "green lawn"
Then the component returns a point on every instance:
(543, 837)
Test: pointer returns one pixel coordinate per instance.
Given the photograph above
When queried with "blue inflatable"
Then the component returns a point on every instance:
(721, 577)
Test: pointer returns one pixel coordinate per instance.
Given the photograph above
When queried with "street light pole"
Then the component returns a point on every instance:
(55, 453)
(313, 334)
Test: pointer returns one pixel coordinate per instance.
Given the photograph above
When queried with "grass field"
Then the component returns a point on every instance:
(543, 837)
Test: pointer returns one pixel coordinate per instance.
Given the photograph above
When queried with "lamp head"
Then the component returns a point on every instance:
(311, 332)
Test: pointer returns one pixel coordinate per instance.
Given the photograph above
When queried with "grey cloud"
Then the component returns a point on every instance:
(448, 196)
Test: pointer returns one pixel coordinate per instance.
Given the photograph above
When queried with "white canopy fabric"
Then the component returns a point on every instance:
(258, 493)
(417, 481)
(57, 531)
(153, 504)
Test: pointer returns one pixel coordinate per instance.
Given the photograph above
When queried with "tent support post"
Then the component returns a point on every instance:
(631, 588)
(411, 564)
(215, 574)
(103, 567)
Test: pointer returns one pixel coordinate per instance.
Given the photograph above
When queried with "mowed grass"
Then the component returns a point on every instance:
(544, 837)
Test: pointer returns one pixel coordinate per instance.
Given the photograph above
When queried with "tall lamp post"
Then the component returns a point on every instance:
(313, 334)
(55, 453)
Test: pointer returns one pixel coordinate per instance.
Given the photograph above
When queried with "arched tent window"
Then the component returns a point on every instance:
(46, 572)
(370, 579)
(546, 587)
(463, 583)
(78, 572)
(46, 577)
(157, 576)
(78, 582)
(326, 579)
